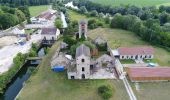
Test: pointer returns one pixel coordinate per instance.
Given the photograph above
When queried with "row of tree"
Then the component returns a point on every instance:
(13, 16)
(15, 3)
(143, 13)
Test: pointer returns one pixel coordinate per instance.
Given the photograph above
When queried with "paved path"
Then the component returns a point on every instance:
(125, 81)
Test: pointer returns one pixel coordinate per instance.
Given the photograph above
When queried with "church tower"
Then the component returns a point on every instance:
(83, 24)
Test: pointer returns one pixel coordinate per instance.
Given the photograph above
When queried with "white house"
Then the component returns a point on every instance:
(80, 69)
(136, 52)
(50, 34)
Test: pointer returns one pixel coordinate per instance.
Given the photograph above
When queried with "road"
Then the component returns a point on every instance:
(125, 81)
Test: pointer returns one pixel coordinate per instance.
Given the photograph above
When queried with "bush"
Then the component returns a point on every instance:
(105, 92)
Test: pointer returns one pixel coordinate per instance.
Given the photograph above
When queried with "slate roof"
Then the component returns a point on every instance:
(99, 40)
(82, 50)
(135, 50)
(49, 31)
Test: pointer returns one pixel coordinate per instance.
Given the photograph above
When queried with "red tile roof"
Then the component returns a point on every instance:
(149, 72)
(135, 50)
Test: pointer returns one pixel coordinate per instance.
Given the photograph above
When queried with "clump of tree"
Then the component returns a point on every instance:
(58, 23)
(33, 51)
(93, 23)
(83, 10)
(105, 92)
(11, 16)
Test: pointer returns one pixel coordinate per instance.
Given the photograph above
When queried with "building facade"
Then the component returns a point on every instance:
(50, 35)
(136, 53)
(80, 69)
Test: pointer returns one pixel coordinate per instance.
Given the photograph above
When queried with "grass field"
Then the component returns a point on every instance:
(118, 37)
(47, 85)
(36, 10)
(133, 2)
(152, 91)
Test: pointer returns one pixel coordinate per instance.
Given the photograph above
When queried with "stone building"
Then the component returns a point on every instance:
(83, 25)
(80, 69)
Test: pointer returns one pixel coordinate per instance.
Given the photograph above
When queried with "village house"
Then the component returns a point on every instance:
(44, 17)
(49, 35)
(135, 52)
(148, 74)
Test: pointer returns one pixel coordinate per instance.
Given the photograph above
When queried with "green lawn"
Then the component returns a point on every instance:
(76, 16)
(48, 85)
(152, 91)
(133, 2)
(118, 38)
(127, 61)
(36, 10)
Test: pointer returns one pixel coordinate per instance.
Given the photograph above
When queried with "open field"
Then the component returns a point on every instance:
(47, 85)
(36, 10)
(76, 16)
(133, 2)
(117, 38)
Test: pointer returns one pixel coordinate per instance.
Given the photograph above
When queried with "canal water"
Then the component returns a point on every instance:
(17, 83)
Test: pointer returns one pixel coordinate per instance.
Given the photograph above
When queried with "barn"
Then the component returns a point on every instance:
(148, 74)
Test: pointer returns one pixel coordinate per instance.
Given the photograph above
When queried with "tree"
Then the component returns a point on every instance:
(94, 13)
(58, 23)
(101, 15)
(83, 10)
(25, 10)
(117, 21)
(8, 20)
(20, 15)
(105, 92)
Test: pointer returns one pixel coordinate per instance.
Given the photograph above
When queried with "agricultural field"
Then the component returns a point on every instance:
(48, 85)
(117, 38)
(36, 10)
(133, 2)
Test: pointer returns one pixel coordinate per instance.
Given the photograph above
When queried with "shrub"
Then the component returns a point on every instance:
(105, 92)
